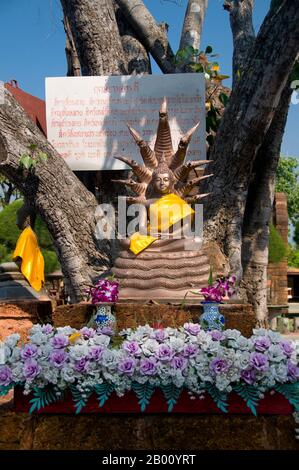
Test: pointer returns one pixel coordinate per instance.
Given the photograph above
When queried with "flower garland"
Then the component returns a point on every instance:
(87, 361)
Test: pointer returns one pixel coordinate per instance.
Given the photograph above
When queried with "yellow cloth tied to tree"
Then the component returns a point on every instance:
(32, 265)
(164, 213)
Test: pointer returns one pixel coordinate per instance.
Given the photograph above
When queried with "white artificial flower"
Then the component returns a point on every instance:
(275, 353)
(232, 334)
(12, 340)
(100, 340)
(78, 351)
(66, 330)
(149, 347)
(279, 372)
(177, 344)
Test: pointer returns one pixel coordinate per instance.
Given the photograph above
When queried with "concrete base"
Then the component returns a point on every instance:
(20, 431)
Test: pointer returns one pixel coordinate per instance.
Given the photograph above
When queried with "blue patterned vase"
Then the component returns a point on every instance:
(103, 316)
(211, 319)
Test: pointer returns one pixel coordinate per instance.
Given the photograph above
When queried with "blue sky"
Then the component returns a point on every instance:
(32, 43)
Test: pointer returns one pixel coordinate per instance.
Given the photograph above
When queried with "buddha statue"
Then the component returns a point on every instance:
(164, 260)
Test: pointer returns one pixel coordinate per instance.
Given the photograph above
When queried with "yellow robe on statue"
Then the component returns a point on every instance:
(164, 213)
(32, 265)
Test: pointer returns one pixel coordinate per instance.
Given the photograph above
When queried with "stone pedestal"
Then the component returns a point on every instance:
(20, 431)
(19, 316)
(130, 315)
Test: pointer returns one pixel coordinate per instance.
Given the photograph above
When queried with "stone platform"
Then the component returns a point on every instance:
(19, 316)
(130, 315)
(20, 431)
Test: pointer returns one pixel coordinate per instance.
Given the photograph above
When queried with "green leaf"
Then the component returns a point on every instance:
(224, 98)
(42, 157)
(26, 161)
(5, 389)
(208, 50)
(249, 394)
(197, 68)
(78, 400)
(172, 394)
(103, 392)
(144, 393)
(220, 398)
(291, 392)
(42, 397)
(32, 147)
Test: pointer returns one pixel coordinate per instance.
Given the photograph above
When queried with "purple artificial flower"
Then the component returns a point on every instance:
(132, 348)
(104, 291)
(164, 353)
(81, 365)
(87, 332)
(5, 376)
(59, 341)
(47, 329)
(216, 335)
(287, 348)
(106, 330)
(179, 362)
(160, 335)
(31, 369)
(29, 351)
(224, 286)
(148, 366)
(190, 350)
(293, 371)
(262, 343)
(127, 366)
(218, 365)
(58, 357)
(259, 361)
(96, 353)
(192, 328)
(248, 375)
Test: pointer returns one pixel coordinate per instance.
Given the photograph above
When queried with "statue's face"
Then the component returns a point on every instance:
(162, 183)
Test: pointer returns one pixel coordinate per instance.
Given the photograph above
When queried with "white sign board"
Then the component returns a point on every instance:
(87, 116)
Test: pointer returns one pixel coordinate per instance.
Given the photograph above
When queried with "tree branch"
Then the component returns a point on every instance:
(65, 205)
(96, 36)
(73, 63)
(153, 36)
(193, 23)
(240, 13)
(251, 108)
(137, 57)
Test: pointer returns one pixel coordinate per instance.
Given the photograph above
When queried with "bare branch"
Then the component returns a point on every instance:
(137, 57)
(73, 63)
(240, 12)
(153, 36)
(193, 23)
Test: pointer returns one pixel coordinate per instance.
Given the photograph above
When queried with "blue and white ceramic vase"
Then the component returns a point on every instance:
(103, 316)
(211, 319)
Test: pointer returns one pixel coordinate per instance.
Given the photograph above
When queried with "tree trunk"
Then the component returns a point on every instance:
(251, 109)
(258, 212)
(241, 12)
(96, 36)
(193, 23)
(65, 205)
